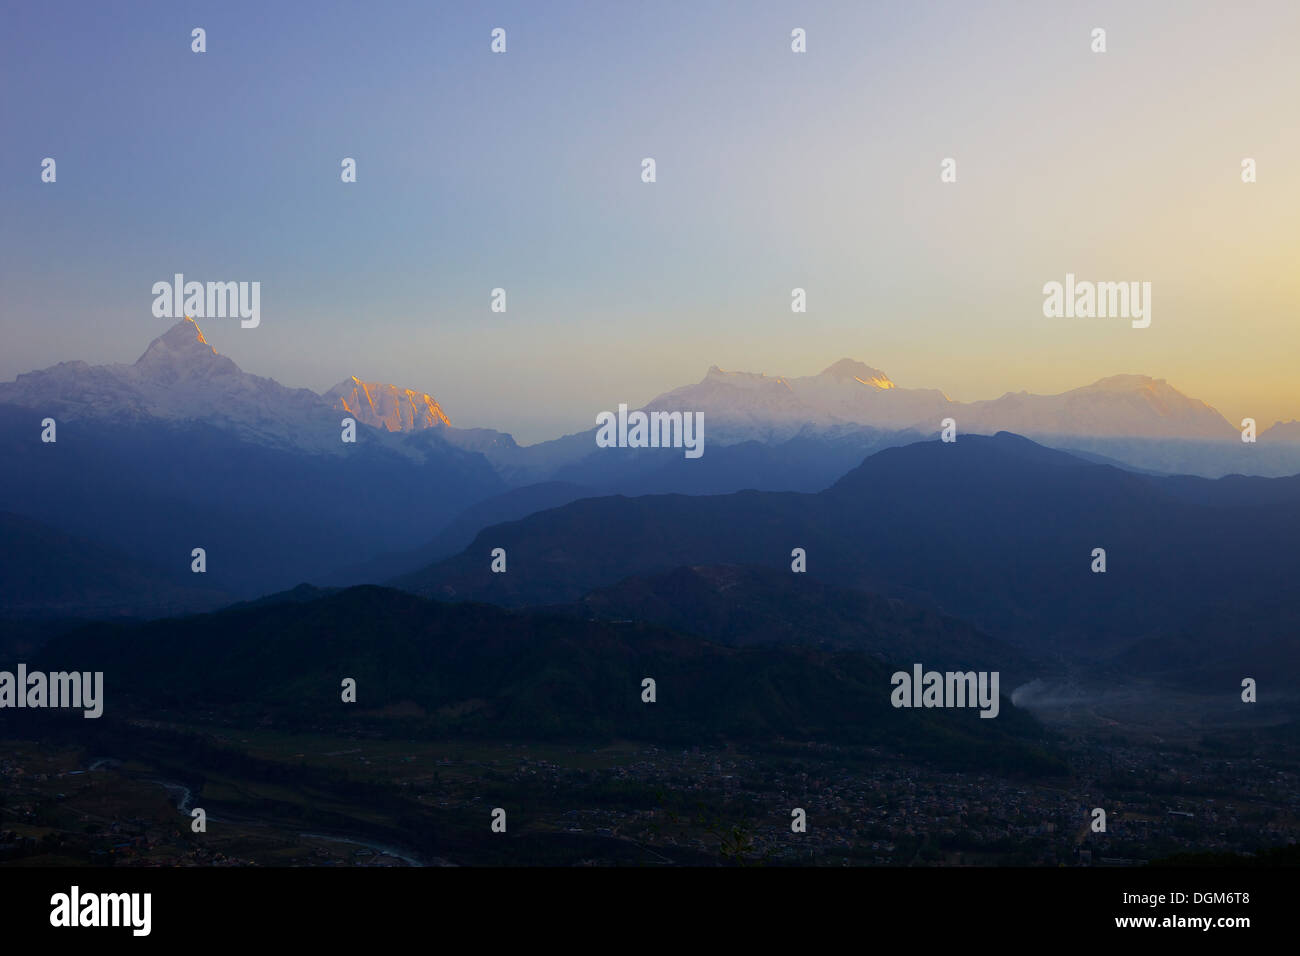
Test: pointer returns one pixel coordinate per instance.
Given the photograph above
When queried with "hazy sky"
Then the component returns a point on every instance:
(775, 170)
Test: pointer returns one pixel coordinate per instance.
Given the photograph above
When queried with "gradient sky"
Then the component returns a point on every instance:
(775, 170)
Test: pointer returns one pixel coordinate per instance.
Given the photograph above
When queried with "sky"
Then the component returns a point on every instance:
(775, 170)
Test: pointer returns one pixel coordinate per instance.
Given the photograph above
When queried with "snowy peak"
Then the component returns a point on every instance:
(748, 406)
(182, 335)
(1116, 383)
(751, 380)
(849, 370)
(181, 353)
(1119, 406)
(742, 406)
(185, 338)
(181, 378)
(387, 406)
(845, 371)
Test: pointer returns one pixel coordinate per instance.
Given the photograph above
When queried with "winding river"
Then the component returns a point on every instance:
(183, 799)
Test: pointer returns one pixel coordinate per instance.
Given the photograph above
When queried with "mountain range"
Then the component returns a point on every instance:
(743, 405)
(1135, 420)
(180, 377)
(182, 449)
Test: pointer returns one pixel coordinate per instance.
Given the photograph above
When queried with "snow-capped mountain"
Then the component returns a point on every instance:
(180, 378)
(1121, 406)
(740, 406)
(182, 450)
(745, 406)
(387, 406)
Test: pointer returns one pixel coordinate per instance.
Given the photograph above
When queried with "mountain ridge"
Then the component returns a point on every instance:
(180, 376)
(996, 531)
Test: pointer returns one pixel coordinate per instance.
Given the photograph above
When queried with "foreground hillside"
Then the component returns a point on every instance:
(422, 667)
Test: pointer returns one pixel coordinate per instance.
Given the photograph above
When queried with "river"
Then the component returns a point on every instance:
(183, 799)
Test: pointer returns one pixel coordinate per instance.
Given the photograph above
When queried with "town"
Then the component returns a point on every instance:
(364, 801)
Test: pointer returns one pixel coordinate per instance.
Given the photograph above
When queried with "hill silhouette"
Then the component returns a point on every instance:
(472, 670)
(997, 531)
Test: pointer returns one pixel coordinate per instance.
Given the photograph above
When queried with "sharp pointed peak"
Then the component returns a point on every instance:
(185, 323)
(183, 337)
